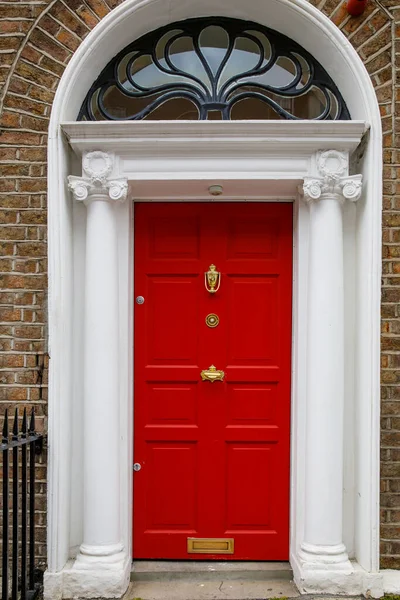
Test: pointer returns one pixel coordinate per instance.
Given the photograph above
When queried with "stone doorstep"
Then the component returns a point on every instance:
(203, 580)
(165, 570)
(211, 590)
(224, 590)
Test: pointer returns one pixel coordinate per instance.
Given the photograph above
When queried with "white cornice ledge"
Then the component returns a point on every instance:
(254, 137)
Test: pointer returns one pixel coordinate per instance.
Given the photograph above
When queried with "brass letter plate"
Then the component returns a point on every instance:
(211, 546)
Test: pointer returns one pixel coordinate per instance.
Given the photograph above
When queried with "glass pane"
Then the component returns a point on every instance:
(120, 106)
(252, 108)
(214, 43)
(122, 71)
(265, 43)
(95, 108)
(310, 105)
(245, 57)
(163, 41)
(280, 75)
(305, 71)
(334, 111)
(147, 75)
(184, 58)
(177, 109)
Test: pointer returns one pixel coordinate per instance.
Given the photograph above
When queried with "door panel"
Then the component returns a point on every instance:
(178, 341)
(214, 456)
(172, 511)
(249, 466)
(255, 300)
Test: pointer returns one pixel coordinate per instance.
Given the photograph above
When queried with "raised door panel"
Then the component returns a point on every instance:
(253, 238)
(171, 404)
(172, 475)
(172, 320)
(253, 312)
(250, 486)
(252, 404)
(176, 239)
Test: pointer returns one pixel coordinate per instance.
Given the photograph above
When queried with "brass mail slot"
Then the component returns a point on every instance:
(210, 545)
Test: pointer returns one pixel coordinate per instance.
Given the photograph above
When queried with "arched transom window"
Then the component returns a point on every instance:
(213, 68)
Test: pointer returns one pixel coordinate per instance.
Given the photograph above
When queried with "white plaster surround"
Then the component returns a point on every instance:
(254, 161)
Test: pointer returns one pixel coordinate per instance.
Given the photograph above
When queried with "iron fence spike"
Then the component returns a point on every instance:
(24, 424)
(5, 427)
(32, 422)
(15, 426)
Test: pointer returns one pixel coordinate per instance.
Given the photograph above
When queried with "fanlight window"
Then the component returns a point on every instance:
(213, 68)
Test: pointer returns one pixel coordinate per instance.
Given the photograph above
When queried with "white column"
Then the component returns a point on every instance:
(102, 548)
(323, 540)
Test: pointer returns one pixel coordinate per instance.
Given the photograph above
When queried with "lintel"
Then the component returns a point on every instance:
(200, 153)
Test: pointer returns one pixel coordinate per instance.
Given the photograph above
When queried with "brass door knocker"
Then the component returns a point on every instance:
(212, 280)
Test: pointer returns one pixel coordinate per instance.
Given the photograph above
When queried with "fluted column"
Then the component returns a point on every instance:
(101, 518)
(325, 194)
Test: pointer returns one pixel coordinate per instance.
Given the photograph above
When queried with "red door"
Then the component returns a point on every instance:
(213, 456)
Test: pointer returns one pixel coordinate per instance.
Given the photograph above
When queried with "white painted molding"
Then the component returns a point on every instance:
(333, 181)
(345, 188)
(97, 167)
(333, 164)
(213, 152)
(309, 27)
(300, 138)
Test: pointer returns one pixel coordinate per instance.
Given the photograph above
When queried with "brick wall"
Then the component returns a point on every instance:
(37, 39)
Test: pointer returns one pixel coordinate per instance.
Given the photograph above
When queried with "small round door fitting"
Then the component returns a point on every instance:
(212, 320)
(139, 300)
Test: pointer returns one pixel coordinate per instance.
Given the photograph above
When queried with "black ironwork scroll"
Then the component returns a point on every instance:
(213, 68)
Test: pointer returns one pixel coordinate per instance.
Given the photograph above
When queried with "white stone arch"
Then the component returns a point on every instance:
(305, 24)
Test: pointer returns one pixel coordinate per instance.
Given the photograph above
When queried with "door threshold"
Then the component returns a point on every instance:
(168, 570)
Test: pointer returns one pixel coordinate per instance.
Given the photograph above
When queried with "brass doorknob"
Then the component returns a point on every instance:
(212, 374)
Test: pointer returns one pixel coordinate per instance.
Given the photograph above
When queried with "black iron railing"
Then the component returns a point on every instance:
(19, 449)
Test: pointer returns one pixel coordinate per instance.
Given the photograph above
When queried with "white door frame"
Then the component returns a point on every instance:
(301, 21)
(168, 161)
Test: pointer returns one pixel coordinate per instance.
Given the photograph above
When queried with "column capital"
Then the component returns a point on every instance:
(331, 181)
(97, 167)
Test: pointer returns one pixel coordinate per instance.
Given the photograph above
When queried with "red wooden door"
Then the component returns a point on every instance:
(214, 457)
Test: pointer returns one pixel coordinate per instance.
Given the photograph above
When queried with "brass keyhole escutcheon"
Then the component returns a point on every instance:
(212, 320)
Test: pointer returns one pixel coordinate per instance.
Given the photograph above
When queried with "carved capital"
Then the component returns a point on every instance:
(117, 189)
(312, 188)
(332, 181)
(352, 187)
(97, 167)
(345, 188)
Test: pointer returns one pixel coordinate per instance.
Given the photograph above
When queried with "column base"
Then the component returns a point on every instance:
(346, 579)
(317, 557)
(90, 577)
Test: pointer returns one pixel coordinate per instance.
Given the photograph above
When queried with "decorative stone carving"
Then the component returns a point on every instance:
(332, 164)
(312, 188)
(352, 187)
(332, 181)
(97, 167)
